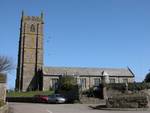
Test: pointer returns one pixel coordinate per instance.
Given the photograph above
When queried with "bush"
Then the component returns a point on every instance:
(67, 82)
(89, 92)
(116, 86)
(93, 92)
(131, 86)
(147, 78)
(138, 86)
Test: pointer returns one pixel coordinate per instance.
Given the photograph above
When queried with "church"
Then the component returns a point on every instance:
(33, 75)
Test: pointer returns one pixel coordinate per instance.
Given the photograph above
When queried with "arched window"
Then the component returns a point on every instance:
(32, 28)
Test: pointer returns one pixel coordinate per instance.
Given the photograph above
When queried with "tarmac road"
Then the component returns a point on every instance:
(60, 108)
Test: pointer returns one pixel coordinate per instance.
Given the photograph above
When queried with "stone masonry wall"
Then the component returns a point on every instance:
(128, 101)
(2, 91)
(2, 86)
(4, 109)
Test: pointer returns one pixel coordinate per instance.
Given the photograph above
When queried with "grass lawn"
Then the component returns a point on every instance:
(28, 94)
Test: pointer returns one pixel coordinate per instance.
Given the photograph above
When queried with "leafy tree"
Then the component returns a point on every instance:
(67, 82)
(68, 87)
(147, 78)
(5, 64)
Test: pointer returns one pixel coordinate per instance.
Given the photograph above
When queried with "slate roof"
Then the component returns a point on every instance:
(85, 71)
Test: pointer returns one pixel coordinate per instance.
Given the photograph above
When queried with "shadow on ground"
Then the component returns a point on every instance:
(10, 110)
(103, 107)
(98, 107)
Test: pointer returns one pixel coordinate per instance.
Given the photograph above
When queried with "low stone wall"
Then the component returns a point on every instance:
(147, 92)
(128, 101)
(2, 91)
(112, 92)
(91, 100)
(4, 109)
(2, 87)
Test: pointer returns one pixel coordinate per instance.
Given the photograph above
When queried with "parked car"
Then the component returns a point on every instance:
(41, 98)
(56, 98)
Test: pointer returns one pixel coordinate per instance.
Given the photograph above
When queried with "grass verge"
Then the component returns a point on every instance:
(28, 94)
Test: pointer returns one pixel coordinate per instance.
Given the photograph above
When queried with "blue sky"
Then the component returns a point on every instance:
(86, 33)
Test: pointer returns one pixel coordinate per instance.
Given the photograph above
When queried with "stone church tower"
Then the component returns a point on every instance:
(30, 54)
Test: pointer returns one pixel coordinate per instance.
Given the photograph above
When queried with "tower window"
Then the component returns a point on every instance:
(32, 28)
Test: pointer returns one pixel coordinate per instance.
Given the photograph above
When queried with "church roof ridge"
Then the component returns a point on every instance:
(84, 67)
(95, 71)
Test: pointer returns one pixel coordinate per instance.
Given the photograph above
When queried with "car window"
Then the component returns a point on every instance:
(56, 95)
(52, 96)
(59, 95)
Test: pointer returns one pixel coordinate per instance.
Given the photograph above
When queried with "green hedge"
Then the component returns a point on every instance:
(131, 86)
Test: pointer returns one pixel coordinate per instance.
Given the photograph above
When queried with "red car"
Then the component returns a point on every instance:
(41, 98)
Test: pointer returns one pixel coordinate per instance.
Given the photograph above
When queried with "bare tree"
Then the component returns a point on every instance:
(5, 64)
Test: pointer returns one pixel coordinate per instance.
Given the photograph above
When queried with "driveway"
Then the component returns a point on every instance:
(60, 108)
